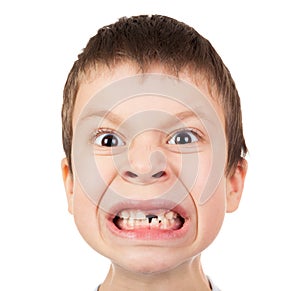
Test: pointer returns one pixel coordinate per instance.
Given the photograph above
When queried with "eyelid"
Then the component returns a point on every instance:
(195, 131)
(97, 132)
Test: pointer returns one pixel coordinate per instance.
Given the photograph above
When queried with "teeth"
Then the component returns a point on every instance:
(134, 219)
(170, 215)
(140, 215)
(154, 223)
(166, 224)
(131, 223)
(124, 214)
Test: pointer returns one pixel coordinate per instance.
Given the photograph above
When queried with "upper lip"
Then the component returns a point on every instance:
(147, 205)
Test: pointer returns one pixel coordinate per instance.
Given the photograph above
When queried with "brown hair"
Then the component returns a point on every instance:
(145, 40)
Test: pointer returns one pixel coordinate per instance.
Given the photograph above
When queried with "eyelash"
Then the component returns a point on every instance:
(101, 131)
(195, 132)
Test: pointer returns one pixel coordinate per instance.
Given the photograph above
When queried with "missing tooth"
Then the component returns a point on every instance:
(150, 217)
(130, 220)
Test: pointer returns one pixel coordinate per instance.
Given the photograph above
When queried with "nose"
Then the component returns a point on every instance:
(144, 178)
(146, 163)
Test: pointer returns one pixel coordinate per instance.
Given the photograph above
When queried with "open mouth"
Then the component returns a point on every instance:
(162, 219)
(151, 220)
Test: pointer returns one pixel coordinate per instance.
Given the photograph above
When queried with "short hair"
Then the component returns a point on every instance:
(147, 39)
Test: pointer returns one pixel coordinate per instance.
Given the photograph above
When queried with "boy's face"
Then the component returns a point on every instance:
(140, 169)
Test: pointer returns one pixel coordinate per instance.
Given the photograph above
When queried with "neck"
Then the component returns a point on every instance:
(187, 276)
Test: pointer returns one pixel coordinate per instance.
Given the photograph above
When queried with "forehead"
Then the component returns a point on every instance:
(102, 77)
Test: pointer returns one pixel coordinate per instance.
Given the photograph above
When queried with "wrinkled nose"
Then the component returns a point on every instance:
(145, 163)
(146, 169)
(143, 178)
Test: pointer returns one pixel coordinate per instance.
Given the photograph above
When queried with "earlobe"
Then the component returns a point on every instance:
(235, 186)
(68, 182)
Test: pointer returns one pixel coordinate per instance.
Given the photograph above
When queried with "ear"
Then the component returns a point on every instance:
(235, 186)
(68, 181)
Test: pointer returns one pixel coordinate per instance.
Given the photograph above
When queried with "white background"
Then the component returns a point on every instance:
(40, 248)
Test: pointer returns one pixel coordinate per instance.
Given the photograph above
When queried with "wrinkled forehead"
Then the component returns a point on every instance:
(123, 88)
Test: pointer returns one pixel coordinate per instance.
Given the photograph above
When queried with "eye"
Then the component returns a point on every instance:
(184, 137)
(108, 139)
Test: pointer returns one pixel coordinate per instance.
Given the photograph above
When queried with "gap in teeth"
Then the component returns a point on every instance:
(141, 215)
(133, 219)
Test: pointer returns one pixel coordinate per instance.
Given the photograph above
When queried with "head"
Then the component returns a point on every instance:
(141, 45)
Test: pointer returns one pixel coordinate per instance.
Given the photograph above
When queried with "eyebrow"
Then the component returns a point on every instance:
(117, 120)
(182, 117)
(185, 115)
(110, 116)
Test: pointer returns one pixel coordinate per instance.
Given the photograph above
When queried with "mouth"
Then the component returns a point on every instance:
(163, 219)
(148, 220)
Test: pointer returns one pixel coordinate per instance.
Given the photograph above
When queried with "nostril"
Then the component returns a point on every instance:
(159, 174)
(130, 174)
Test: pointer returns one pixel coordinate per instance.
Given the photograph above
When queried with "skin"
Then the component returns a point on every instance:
(140, 264)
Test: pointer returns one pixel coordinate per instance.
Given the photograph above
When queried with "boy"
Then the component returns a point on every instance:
(152, 132)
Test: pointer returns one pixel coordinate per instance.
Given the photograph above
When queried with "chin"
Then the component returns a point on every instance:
(149, 268)
(150, 261)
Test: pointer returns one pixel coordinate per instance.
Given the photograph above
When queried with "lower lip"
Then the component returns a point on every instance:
(149, 234)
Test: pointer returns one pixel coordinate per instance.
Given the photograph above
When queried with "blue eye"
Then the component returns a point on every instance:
(184, 137)
(108, 139)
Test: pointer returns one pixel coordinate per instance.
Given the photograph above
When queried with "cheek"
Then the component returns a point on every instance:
(107, 169)
(198, 178)
(85, 215)
(91, 183)
(210, 216)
